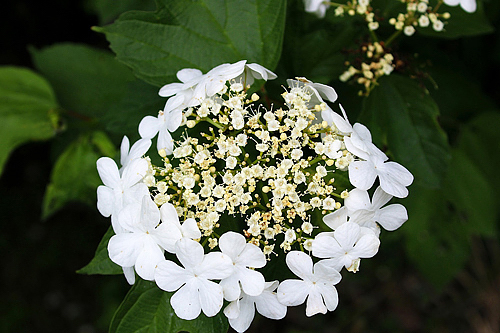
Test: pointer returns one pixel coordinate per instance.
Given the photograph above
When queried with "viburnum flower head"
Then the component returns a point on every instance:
(195, 290)
(247, 179)
(469, 6)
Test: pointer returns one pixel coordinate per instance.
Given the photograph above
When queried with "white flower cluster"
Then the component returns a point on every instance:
(377, 62)
(418, 14)
(244, 178)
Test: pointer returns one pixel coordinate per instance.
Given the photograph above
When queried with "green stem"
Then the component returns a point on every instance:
(392, 37)
(219, 126)
(374, 36)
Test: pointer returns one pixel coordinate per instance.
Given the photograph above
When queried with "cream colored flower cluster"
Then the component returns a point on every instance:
(377, 63)
(359, 7)
(419, 14)
(268, 168)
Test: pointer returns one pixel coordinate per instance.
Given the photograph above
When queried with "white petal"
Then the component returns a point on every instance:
(171, 89)
(169, 276)
(231, 288)
(166, 235)
(252, 256)
(139, 148)
(189, 74)
(190, 229)
(124, 148)
(362, 174)
(189, 252)
(169, 214)
(215, 265)
(330, 296)
(130, 217)
(326, 91)
(452, 2)
(186, 301)
(341, 123)
(334, 263)
(324, 272)
(366, 247)
(357, 199)
(326, 247)
(149, 127)
(232, 310)
(174, 120)
(380, 198)
(315, 304)
(252, 282)
(393, 179)
(356, 147)
(134, 194)
(108, 171)
(336, 219)
(347, 234)
(105, 200)
(260, 72)
(165, 141)
(123, 249)
(469, 6)
(232, 244)
(211, 297)
(148, 259)
(134, 172)
(292, 292)
(363, 132)
(392, 216)
(129, 273)
(300, 264)
(150, 214)
(268, 305)
(246, 315)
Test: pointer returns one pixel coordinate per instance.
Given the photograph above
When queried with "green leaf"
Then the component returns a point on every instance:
(461, 23)
(403, 116)
(480, 139)
(146, 308)
(471, 195)
(442, 222)
(197, 34)
(27, 108)
(108, 10)
(74, 176)
(86, 81)
(101, 264)
(436, 239)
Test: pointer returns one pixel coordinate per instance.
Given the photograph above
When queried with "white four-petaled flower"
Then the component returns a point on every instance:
(143, 243)
(346, 246)
(120, 189)
(317, 284)
(243, 255)
(197, 292)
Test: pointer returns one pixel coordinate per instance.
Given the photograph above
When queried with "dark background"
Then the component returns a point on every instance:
(42, 293)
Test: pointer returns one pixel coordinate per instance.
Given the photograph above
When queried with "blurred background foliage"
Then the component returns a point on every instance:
(68, 101)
